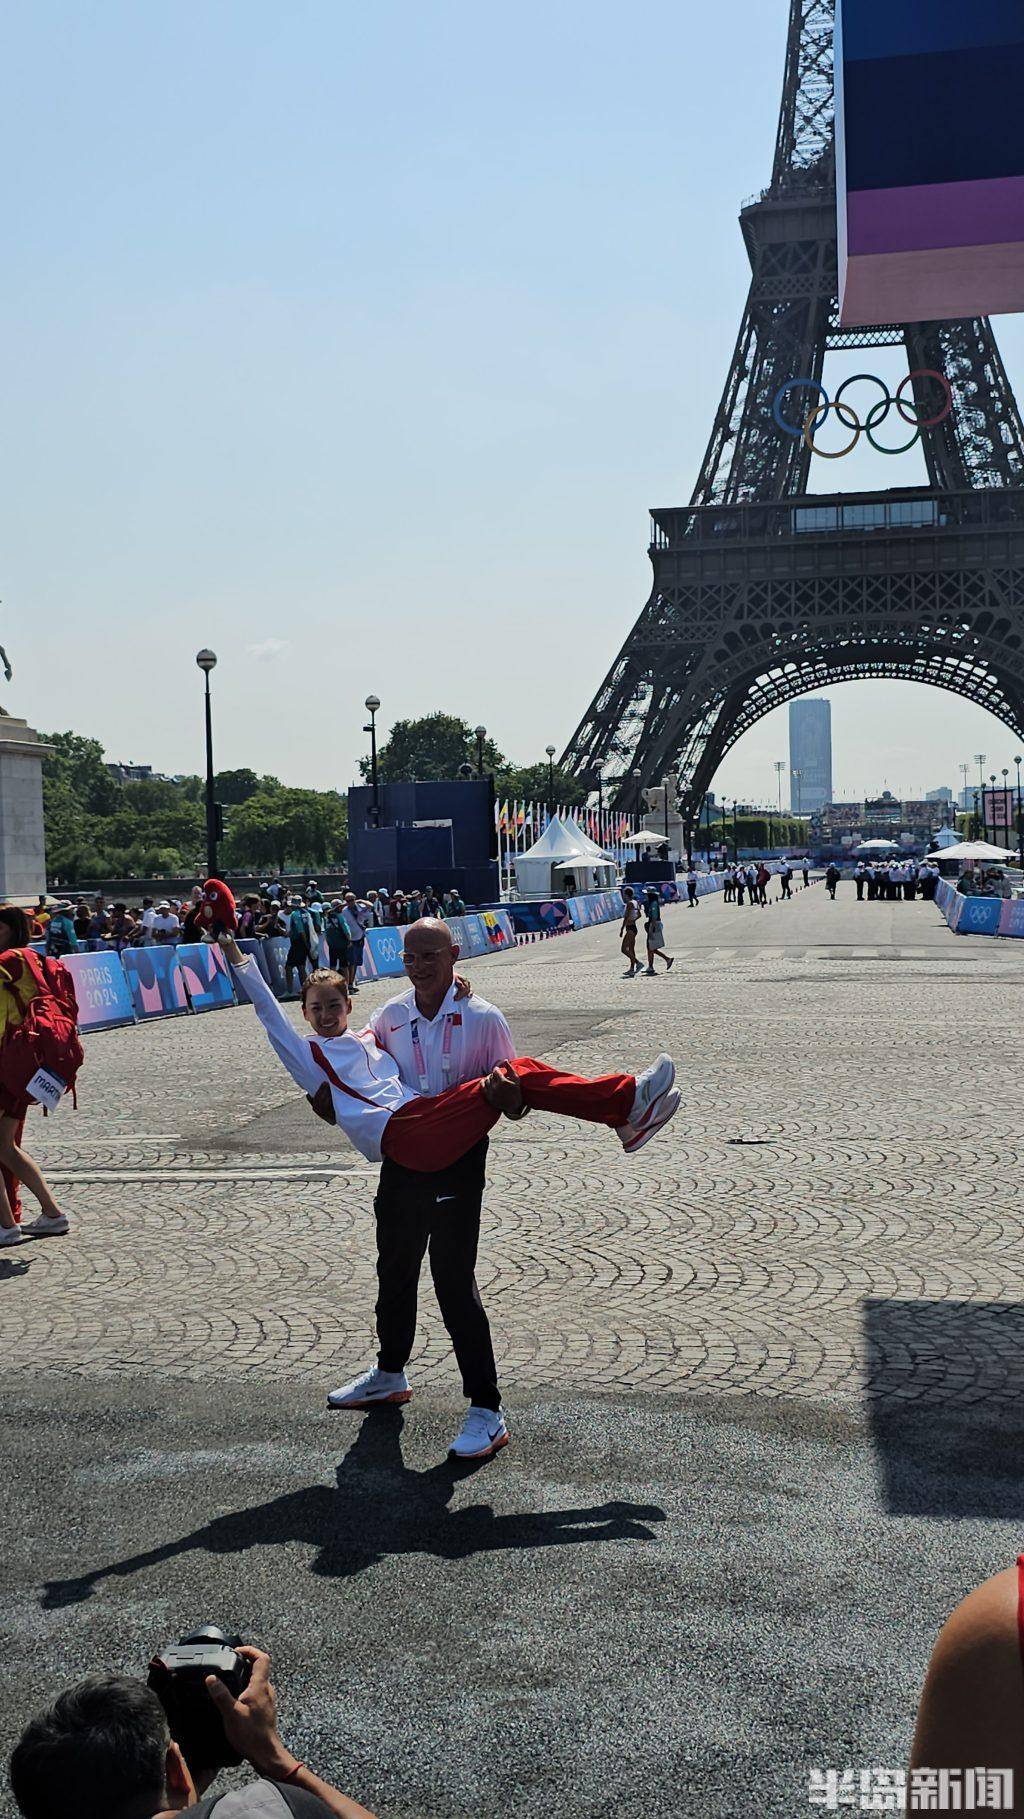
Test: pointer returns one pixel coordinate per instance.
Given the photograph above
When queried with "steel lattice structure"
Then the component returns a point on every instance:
(763, 591)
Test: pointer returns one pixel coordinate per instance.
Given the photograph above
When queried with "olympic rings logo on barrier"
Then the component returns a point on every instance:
(846, 414)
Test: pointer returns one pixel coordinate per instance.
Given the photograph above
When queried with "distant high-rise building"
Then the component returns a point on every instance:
(938, 795)
(810, 756)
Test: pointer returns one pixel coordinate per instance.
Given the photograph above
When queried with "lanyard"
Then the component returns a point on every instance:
(446, 1048)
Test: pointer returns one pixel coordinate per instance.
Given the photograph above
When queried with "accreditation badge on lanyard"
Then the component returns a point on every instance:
(453, 1020)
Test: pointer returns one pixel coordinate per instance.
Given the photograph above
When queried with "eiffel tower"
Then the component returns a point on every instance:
(763, 591)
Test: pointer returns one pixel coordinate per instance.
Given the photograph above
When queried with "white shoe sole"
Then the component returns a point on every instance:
(667, 1107)
(483, 1452)
(396, 1396)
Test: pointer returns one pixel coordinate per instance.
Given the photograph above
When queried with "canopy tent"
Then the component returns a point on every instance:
(976, 849)
(946, 836)
(647, 838)
(563, 853)
(876, 846)
(591, 846)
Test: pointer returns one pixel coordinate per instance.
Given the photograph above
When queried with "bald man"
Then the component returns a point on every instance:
(438, 1040)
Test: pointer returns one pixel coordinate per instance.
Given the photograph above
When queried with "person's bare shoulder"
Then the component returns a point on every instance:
(972, 1705)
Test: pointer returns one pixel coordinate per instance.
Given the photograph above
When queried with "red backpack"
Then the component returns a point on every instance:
(47, 1035)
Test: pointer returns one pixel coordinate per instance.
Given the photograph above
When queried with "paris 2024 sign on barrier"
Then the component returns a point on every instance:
(929, 159)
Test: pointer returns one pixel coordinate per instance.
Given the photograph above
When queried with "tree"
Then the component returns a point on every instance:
(529, 783)
(425, 750)
(231, 787)
(279, 828)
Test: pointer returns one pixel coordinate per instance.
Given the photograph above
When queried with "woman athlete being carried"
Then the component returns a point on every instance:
(381, 1116)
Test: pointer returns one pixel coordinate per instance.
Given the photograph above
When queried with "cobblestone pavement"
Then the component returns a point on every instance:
(835, 1209)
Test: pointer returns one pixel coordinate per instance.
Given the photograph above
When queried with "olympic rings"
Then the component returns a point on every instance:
(879, 411)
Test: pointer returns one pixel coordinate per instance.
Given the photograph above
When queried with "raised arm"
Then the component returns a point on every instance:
(290, 1048)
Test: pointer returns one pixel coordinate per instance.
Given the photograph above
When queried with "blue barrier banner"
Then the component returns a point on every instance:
(498, 933)
(1011, 917)
(944, 894)
(101, 988)
(382, 954)
(154, 978)
(540, 918)
(206, 975)
(979, 916)
(275, 953)
(249, 946)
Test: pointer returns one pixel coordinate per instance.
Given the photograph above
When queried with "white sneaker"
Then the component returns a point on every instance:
(47, 1227)
(662, 1114)
(371, 1389)
(483, 1433)
(13, 1236)
(651, 1085)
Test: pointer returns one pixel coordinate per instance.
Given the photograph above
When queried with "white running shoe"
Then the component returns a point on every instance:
(47, 1227)
(662, 1114)
(13, 1235)
(650, 1087)
(372, 1389)
(483, 1433)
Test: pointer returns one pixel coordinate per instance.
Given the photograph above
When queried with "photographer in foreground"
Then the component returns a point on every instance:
(104, 1750)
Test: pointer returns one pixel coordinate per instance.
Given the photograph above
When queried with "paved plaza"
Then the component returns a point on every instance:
(763, 1380)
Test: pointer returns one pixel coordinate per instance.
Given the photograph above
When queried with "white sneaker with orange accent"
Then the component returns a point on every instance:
(371, 1390)
(483, 1433)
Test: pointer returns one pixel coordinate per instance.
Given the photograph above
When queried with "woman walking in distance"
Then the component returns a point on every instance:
(655, 932)
(629, 930)
(38, 1044)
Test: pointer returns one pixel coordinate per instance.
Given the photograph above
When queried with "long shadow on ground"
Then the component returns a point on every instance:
(378, 1507)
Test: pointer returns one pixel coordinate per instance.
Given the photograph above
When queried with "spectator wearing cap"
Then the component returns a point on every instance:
(60, 934)
(376, 908)
(358, 918)
(430, 904)
(396, 910)
(165, 926)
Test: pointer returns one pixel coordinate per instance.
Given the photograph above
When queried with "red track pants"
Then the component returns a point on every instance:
(429, 1134)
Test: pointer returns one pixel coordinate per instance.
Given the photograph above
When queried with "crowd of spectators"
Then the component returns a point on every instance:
(303, 918)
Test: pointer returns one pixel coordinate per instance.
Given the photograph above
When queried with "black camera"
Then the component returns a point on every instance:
(178, 1678)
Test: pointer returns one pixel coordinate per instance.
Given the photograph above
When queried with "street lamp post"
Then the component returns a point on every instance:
(795, 777)
(977, 818)
(735, 834)
(992, 780)
(979, 759)
(480, 734)
(371, 705)
(207, 661)
(780, 765)
(1020, 820)
(1006, 801)
(551, 778)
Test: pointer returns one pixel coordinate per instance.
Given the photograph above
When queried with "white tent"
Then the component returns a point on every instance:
(563, 857)
(975, 849)
(599, 853)
(946, 836)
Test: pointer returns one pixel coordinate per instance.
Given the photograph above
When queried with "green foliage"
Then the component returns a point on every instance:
(434, 747)
(529, 783)
(288, 828)
(422, 751)
(757, 832)
(237, 786)
(98, 827)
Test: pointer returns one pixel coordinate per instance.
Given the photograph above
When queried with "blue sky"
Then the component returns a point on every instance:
(356, 343)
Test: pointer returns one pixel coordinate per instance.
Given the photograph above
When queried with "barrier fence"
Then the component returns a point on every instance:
(145, 982)
(979, 915)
